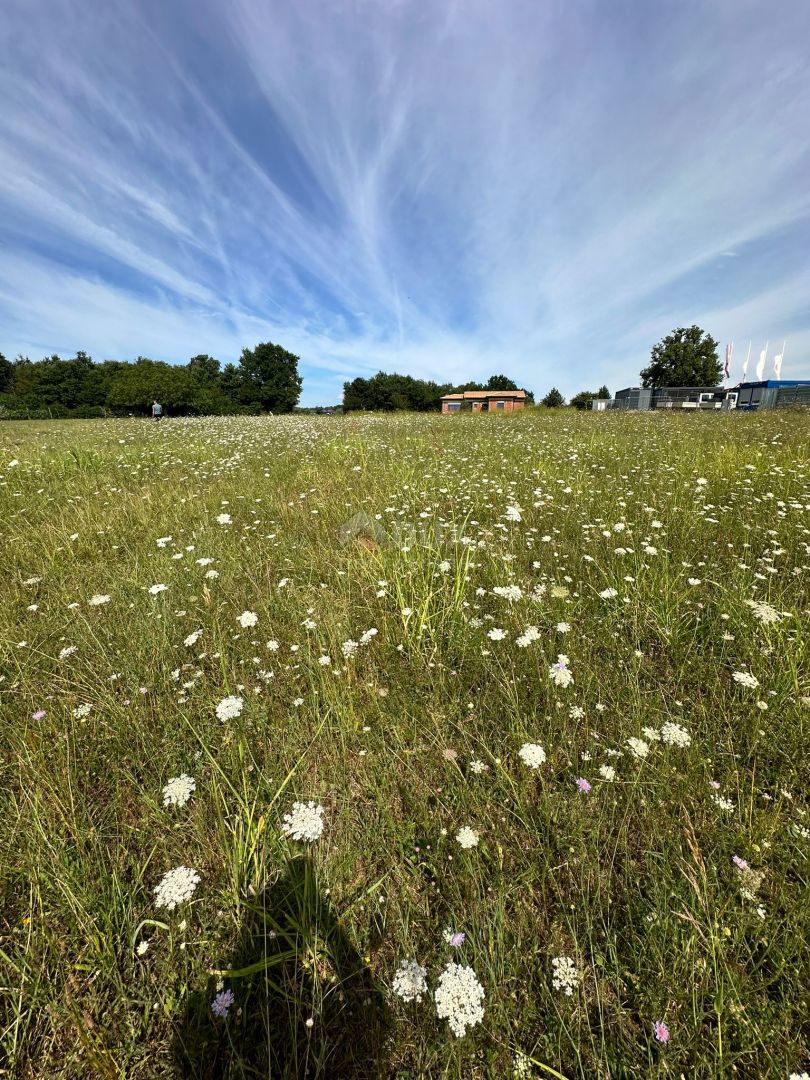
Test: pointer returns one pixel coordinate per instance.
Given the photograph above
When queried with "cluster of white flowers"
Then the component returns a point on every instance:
(163, 541)
(745, 678)
(722, 802)
(675, 734)
(224, 519)
(638, 748)
(459, 998)
(467, 837)
(176, 887)
(193, 638)
(559, 672)
(509, 592)
(247, 619)
(229, 708)
(410, 981)
(98, 599)
(530, 634)
(81, 711)
(513, 513)
(304, 822)
(607, 772)
(69, 650)
(496, 634)
(179, 790)
(155, 589)
(764, 612)
(565, 975)
(350, 647)
(532, 755)
(608, 594)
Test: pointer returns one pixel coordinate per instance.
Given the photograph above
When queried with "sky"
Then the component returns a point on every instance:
(443, 188)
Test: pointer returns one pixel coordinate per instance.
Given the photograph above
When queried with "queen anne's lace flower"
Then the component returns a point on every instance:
(248, 619)
(177, 886)
(638, 748)
(229, 708)
(467, 837)
(410, 983)
(745, 678)
(304, 822)
(179, 790)
(459, 998)
(532, 755)
(559, 673)
(675, 734)
(565, 975)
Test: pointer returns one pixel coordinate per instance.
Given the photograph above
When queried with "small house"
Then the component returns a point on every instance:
(484, 401)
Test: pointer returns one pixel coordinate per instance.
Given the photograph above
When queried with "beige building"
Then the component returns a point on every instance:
(484, 401)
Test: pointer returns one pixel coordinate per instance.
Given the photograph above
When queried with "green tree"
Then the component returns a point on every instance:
(583, 399)
(6, 375)
(270, 377)
(602, 393)
(500, 382)
(204, 370)
(553, 399)
(686, 357)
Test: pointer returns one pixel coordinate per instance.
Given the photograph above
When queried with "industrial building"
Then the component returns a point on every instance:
(766, 394)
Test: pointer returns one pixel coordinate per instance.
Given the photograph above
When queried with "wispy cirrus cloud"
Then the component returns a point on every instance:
(441, 188)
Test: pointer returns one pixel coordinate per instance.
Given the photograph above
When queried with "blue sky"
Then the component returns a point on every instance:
(447, 188)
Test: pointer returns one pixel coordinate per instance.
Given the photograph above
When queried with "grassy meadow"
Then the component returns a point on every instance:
(543, 678)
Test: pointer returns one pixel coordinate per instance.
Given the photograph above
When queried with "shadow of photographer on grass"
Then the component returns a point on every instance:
(305, 1003)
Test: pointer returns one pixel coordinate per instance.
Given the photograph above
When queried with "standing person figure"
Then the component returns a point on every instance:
(157, 410)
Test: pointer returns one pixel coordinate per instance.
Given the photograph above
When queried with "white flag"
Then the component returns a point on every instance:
(745, 365)
(777, 362)
(763, 357)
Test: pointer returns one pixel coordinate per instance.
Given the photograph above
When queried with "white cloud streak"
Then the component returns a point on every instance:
(438, 188)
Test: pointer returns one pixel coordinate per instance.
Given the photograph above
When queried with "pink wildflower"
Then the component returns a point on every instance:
(661, 1031)
(457, 939)
(38, 715)
(741, 864)
(583, 785)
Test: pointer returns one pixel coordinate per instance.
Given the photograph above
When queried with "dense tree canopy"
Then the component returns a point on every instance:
(686, 357)
(553, 399)
(267, 377)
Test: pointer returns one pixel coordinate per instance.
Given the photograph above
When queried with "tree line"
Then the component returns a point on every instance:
(388, 393)
(266, 378)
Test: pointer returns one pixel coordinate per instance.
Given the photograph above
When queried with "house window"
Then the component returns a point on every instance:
(453, 406)
(500, 404)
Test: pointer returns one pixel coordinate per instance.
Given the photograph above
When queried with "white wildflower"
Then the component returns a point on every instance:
(224, 519)
(638, 748)
(530, 634)
(674, 734)
(559, 673)
(155, 589)
(467, 837)
(177, 886)
(304, 822)
(565, 975)
(745, 678)
(410, 983)
(532, 755)
(459, 998)
(229, 708)
(247, 619)
(509, 592)
(98, 599)
(193, 638)
(179, 790)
